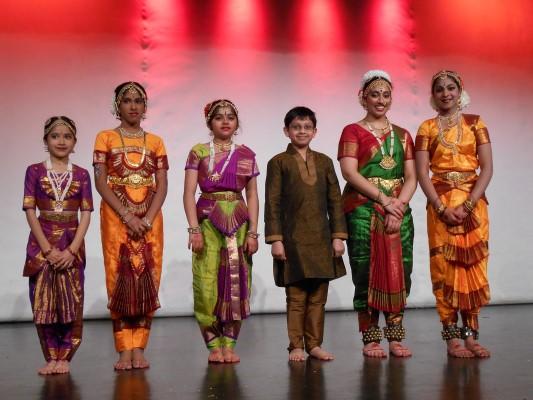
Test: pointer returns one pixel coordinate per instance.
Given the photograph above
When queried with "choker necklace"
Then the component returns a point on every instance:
(131, 135)
(450, 121)
(215, 177)
(124, 151)
(56, 181)
(452, 146)
(387, 160)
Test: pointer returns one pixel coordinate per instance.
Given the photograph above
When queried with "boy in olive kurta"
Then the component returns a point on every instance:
(305, 224)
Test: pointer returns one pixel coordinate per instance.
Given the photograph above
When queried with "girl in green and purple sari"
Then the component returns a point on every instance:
(222, 230)
(377, 160)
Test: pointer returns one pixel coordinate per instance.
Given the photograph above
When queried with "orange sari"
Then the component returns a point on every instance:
(458, 254)
(133, 268)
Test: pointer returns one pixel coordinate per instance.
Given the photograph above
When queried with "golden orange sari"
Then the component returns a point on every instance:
(458, 254)
(133, 268)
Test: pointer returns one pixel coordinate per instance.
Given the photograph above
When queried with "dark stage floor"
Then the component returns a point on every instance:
(180, 371)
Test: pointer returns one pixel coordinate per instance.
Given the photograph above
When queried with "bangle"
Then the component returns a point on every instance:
(252, 234)
(147, 222)
(70, 251)
(469, 205)
(194, 229)
(440, 209)
(47, 252)
(388, 204)
(123, 218)
(378, 199)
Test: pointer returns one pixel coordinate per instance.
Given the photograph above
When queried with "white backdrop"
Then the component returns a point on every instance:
(69, 59)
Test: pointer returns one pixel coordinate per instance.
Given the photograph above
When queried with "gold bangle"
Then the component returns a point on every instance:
(194, 229)
(378, 199)
(124, 220)
(147, 222)
(440, 209)
(469, 205)
(71, 251)
(252, 234)
(47, 252)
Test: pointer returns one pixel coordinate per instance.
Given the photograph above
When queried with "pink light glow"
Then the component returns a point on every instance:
(319, 25)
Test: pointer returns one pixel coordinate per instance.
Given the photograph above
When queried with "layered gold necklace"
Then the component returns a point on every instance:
(387, 160)
(122, 132)
(450, 122)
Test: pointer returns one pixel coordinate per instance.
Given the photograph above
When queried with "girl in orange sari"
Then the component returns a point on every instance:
(453, 146)
(131, 176)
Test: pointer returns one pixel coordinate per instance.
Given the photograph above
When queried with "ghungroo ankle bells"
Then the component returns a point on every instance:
(394, 332)
(451, 332)
(372, 334)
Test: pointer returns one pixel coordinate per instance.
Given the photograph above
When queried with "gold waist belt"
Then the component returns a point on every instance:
(134, 180)
(388, 184)
(221, 196)
(58, 217)
(454, 176)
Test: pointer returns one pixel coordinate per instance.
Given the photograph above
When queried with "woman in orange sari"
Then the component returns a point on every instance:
(453, 146)
(131, 176)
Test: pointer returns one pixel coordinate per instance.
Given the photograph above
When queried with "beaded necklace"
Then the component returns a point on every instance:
(56, 181)
(215, 177)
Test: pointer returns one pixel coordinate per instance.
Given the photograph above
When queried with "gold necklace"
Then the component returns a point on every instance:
(452, 146)
(125, 152)
(131, 135)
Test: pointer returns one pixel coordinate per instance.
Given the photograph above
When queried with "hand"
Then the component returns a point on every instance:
(450, 218)
(394, 206)
(250, 245)
(137, 226)
(54, 256)
(196, 242)
(338, 247)
(392, 224)
(66, 259)
(278, 250)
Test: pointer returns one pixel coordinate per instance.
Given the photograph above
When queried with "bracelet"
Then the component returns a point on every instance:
(47, 252)
(124, 220)
(70, 251)
(378, 199)
(469, 205)
(194, 229)
(388, 204)
(147, 222)
(440, 209)
(252, 234)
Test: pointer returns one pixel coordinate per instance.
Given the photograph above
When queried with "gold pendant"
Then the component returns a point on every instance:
(58, 206)
(387, 162)
(215, 177)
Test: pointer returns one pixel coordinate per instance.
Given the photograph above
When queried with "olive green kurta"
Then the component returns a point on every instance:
(303, 209)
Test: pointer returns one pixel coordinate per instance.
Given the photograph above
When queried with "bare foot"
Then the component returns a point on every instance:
(398, 350)
(138, 360)
(478, 350)
(124, 361)
(48, 369)
(455, 349)
(321, 354)
(215, 356)
(297, 355)
(62, 367)
(230, 356)
(374, 350)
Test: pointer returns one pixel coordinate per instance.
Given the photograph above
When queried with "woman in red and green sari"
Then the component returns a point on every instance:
(377, 161)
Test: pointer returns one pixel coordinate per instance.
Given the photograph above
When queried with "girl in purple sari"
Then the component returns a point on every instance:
(55, 256)
(222, 230)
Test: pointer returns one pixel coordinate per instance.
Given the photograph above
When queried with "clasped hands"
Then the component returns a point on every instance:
(394, 209)
(60, 259)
